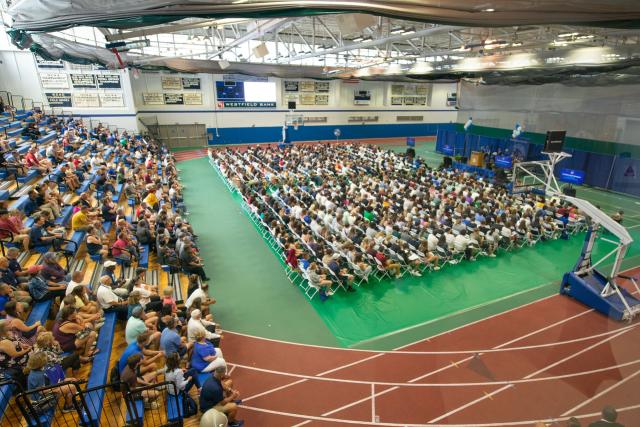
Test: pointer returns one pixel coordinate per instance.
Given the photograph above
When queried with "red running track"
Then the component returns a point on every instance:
(584, 361)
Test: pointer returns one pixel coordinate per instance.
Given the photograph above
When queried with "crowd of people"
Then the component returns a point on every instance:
(341, 212)
(166, 339)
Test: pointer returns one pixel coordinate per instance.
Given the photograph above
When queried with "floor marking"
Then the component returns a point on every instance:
(603, 392)
(369, 423)
(501, 389)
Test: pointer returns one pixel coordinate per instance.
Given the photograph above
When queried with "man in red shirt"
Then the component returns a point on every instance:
(11, 224)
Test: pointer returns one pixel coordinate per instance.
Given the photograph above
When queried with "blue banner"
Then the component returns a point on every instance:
(505, 162)
(572, 176)
(447, 150)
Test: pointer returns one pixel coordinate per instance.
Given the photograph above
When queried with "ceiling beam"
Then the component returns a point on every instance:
(260, 30)
(373, 43)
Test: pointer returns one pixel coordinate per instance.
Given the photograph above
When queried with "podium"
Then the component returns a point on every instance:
(477, 159)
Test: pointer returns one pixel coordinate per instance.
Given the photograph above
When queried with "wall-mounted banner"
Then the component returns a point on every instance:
(153, 99)
(54, 81)
(85, 100)
(307, 98)
(307, 86)
(111, 99)
(243, 104)
(192, 98)
(44, 63)
(58, 99)
(322, 86)
(191, 82)
(290, 86)
(108, 81)
(83, 81)
(322, 99)
(173, 99)
(171, 82)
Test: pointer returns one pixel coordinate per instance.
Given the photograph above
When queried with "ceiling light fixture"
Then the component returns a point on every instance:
(568, 34)
(397, 31)
(489, 10)
(239, 1)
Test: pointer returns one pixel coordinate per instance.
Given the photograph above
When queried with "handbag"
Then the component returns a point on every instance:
(189, 406)
(55, 373)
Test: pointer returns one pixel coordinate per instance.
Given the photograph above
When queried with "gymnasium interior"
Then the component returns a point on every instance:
(319, 213)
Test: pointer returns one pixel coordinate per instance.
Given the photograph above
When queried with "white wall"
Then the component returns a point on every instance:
(337, 112)
(20, 75)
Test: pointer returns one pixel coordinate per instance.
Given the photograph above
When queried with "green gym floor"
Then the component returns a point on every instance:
(257, 299)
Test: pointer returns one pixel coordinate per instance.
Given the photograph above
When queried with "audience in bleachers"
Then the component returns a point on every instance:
(68, 216)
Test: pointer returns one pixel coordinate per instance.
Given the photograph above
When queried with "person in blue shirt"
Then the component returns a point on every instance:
(212, 395)
(149, 359)
(170, 341)
(37, 379)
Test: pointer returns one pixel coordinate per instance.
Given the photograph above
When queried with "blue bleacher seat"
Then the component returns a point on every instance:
(174, 415)
(3, 174)
(39, 312)
(85, 184)
(65, 216)
(15, 132)
(78, 238)
(118, 194)
(48, 137)
(13, 125)
(4, 194)
(23, 148)
(21, 202)
(5, 396)
(31, 174)
(100, 368)
(131, 420)
(144, 257)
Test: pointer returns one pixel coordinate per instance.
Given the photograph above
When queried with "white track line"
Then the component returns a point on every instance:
(603, 392)
(369, 423)
(444, 368)
(480, 399)
(443, 384)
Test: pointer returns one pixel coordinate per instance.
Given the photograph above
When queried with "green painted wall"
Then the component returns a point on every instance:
(590, 145)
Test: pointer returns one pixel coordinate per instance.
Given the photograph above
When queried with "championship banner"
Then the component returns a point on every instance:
(44, 63)
(108, 81)
(322, 86)
(58, 99)
(171, 82)
(307, 86)
(173, 99)
(290, 86)
(192, 98)
(152, 99)
(83, 81)
(86, 100)
(54, 81)
(191, 82)
(322, 99)
(111, 99)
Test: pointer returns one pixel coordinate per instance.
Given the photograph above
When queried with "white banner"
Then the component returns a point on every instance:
(171, 83)
(85, 99)
(153, 98)
(54, 81)
(192, 98)
(111, 99)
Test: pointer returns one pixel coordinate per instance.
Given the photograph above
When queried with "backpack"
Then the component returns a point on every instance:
(189, 406)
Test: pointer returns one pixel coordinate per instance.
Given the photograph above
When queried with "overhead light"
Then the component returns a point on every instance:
(397, 31)
(409, 31)
(357, 39)
(489, 41)
(489, 10)
(568, 34)
(514, 44)
(239, 1)
(462, 49)
(590, 36)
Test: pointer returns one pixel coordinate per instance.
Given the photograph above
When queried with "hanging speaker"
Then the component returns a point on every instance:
(224, 64)
(260, 50)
